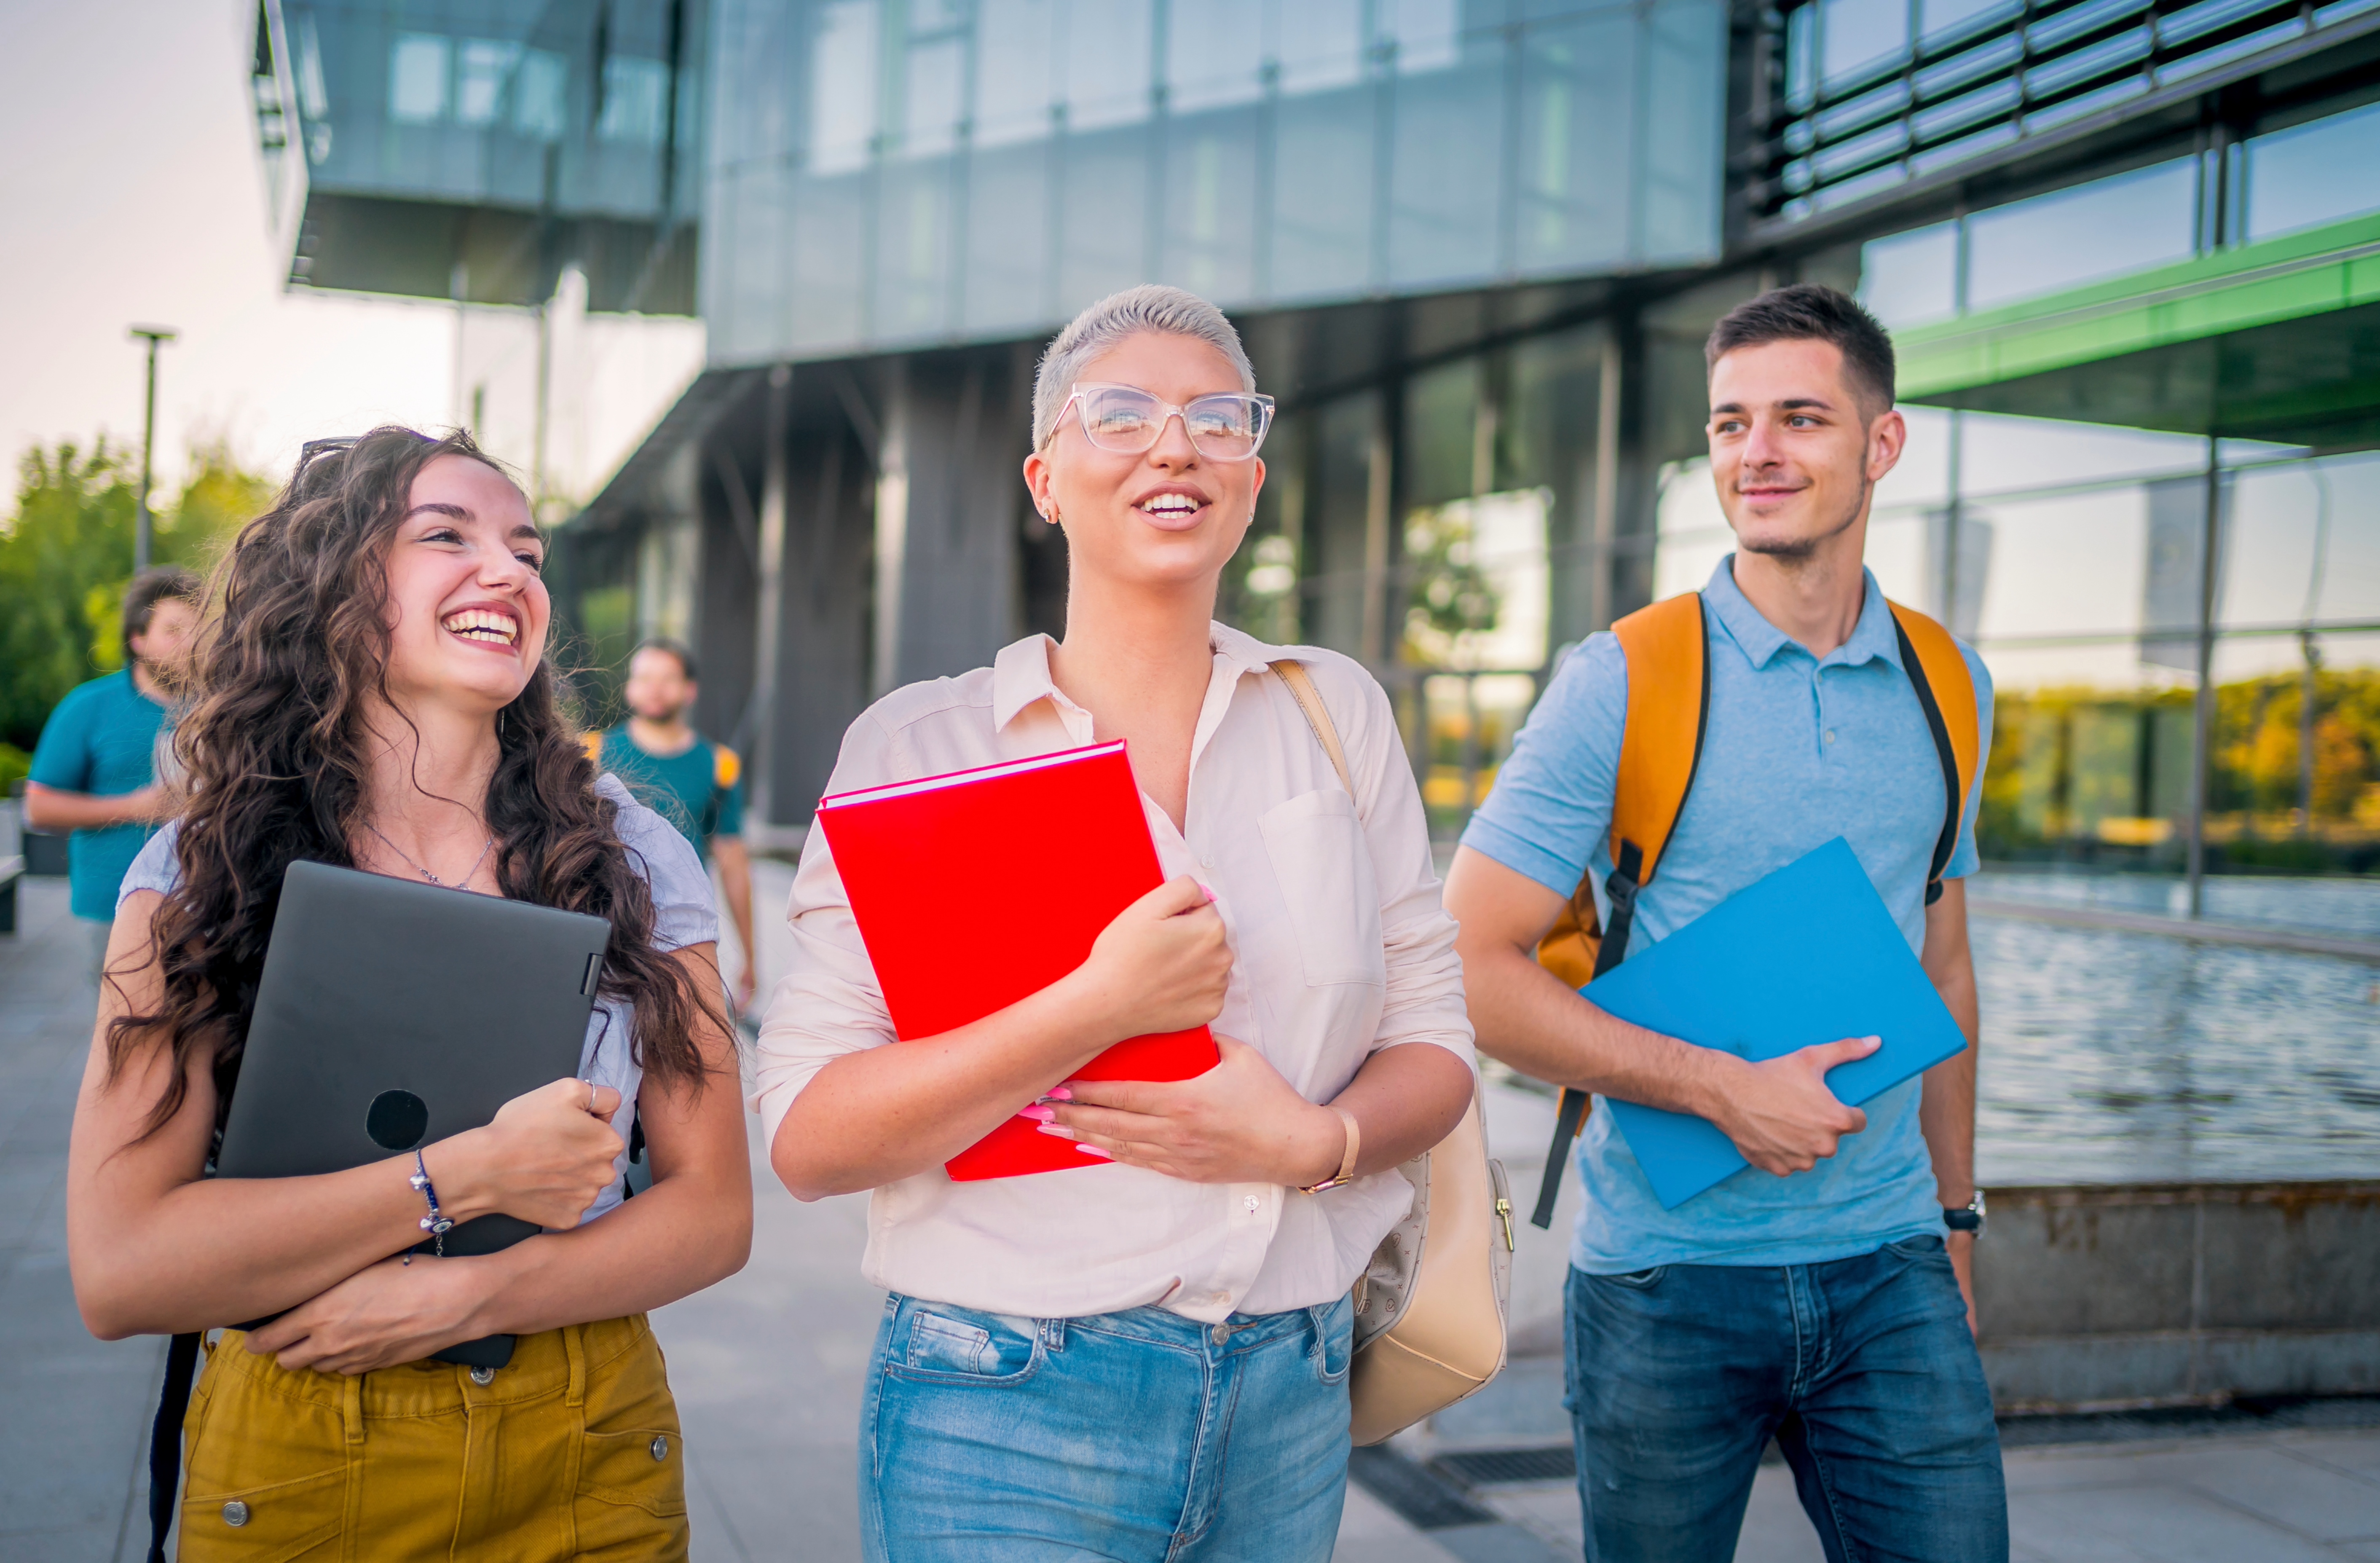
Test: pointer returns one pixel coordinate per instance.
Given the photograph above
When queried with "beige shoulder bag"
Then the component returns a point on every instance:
(1429, 1308)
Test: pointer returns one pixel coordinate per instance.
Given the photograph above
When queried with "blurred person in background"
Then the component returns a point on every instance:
(695, 784)
(95, 772)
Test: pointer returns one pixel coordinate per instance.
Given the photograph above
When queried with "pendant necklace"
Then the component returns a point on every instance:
(426, 873)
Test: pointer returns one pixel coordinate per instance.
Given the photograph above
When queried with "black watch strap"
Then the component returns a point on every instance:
(1963, 1220)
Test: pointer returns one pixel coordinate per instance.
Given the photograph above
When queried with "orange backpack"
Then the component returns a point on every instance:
(1661, 744)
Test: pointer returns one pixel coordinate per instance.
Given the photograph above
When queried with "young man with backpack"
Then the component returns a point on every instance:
(1822, 1295)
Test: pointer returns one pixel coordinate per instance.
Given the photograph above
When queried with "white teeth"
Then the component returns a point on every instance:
(1177, 503)
(478, 624)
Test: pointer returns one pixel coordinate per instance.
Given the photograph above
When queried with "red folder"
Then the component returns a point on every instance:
(980, 888)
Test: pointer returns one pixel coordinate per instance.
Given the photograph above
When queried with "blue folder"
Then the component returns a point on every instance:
(1807, 955)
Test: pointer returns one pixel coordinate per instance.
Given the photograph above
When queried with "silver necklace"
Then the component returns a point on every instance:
(426, 873)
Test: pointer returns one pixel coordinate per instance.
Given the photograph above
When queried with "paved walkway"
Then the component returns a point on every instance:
(768, 1367)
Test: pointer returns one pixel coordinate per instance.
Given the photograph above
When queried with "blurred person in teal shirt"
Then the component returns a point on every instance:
(694, 782)
(95, 769)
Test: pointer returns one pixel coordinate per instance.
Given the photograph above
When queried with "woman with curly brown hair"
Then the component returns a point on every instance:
(373, 693)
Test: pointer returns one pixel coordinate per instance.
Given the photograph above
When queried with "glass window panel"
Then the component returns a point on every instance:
(1106, 222)
(636, 100)
(1015, 42)
(1693, 532)
(1911, 277)
(2101, 229)
(934, 97)
(2005, 453)
(1423, 33)
(2275, 526)
(2350, 489)
(417, 78)
(1210, 206)
(482, 68)
(1446, 176)
(1900, 555)
(1684, 112)
(2068, 565)
(1577, 117)
(826, 281)
(750, 232)
(1334, 578)
(1007, 277)
(1322, 194)
(842, 86)
(1321, 44)
(1474, 572)
(2317, 173)
(1214, 53)
(1442, 420)
(1107, 48)
(1860, 33)
(1801, 55)
(1943, 18)
(913, 249)
(1922, 475)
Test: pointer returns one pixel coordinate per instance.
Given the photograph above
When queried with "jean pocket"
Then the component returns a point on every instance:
(1638, 1280)
(1916, 1247)
(1334, 1339)
(963, 1346)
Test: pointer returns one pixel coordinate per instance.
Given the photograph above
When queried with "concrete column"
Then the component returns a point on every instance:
(776, 481)
(947, 496)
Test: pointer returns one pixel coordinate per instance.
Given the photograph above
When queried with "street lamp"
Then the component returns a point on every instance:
(142, 524)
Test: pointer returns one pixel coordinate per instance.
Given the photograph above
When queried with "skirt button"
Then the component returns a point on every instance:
(234, 1513)
(483, 1376)
(661, 1446)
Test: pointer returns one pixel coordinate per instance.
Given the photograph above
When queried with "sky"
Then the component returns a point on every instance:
(133, 194)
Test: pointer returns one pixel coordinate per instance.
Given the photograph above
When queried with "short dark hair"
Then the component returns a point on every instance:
(1813, 312)
(674, 647)
(148, 588)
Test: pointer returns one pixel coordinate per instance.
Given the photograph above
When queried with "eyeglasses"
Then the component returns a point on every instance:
(1228, 426)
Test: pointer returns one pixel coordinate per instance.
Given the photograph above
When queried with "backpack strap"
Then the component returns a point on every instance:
(1318, 716)
(726, 766)
(165, 1440)
(1667, 650)
(1946, 690)
(593, 744)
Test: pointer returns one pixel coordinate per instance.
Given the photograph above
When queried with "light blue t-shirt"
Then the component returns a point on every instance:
(1798, 750)
(101, 740)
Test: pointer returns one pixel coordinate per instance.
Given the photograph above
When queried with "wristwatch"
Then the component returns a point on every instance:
(1968, 1218)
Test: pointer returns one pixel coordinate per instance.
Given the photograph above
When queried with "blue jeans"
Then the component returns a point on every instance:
(1862, 1369)
(1130, 1437)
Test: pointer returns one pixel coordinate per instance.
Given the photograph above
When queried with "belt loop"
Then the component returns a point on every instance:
(351, 1409)
(1053, 1334)
(574, 1346)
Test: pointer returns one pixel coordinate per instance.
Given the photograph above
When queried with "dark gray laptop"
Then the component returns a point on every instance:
(392, 1015)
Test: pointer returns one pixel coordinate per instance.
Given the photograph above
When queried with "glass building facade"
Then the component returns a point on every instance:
(888, 175)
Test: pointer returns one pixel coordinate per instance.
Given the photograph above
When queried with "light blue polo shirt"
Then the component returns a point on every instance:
(1798, 750)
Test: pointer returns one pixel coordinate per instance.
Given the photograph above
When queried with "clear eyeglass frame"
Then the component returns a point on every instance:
(1237, 409)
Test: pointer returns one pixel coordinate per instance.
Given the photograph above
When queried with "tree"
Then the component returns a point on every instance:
(66, 557)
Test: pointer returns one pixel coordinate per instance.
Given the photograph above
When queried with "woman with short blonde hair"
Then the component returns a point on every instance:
(1144, 1358)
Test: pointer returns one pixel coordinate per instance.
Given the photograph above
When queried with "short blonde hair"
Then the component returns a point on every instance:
(1151, 307)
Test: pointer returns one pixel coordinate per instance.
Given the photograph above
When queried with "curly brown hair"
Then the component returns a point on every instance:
(276, 745)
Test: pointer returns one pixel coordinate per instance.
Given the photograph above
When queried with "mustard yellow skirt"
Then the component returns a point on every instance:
(572, 1452)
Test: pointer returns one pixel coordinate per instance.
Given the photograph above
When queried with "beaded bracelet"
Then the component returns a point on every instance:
(437, 1223)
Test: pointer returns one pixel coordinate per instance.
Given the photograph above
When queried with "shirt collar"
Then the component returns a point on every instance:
(1020, 675)
(1871, 639)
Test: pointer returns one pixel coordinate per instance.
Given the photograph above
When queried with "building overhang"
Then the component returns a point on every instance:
(2277, 340)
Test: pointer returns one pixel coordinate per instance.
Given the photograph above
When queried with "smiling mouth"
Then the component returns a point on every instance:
(479, 624)
(1172, 507)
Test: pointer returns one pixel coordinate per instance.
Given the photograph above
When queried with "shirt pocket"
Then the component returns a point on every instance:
(1324, 870)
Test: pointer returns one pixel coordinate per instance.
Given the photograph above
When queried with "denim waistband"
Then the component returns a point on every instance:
(1153, 1325)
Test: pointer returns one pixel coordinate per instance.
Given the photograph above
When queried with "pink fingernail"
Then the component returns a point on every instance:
(1059, 1095)
(1094, 1150)
(1040, 1114)
(1207, 893)
(1059, 1130)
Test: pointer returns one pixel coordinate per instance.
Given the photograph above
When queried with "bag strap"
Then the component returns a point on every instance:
(165, 1440)
(1318, 716)
(1667, 650)
(1946, 691)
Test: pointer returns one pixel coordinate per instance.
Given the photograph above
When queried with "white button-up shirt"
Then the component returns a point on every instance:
(1339, 948)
